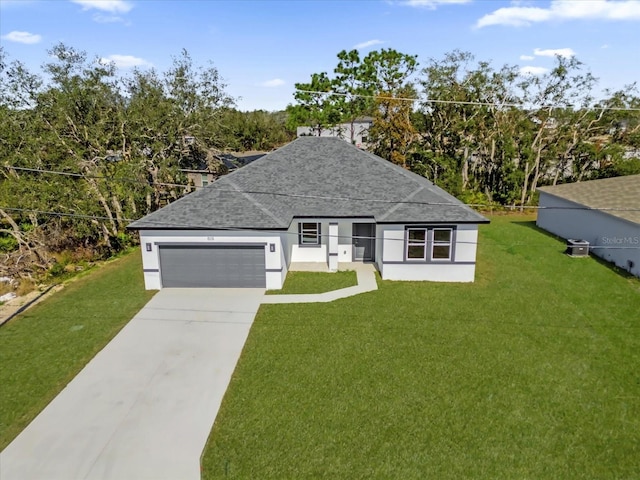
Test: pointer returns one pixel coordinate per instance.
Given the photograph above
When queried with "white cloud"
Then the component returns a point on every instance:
(276, 82)
(518, 16)
(111, 6)
(432, 4)
(368, 43)
(551, 52)
(531, 70)
(514, 16)
(98, 17)
(126, 61)
(527, 57)
(22, 37)
(605, 46)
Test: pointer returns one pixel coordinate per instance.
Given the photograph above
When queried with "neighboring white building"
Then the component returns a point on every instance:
(358, 130)
(313, 200)
(605, 212)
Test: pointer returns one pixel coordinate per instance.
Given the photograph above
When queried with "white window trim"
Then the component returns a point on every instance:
(429, 243)
(440, 243)
(416, 243)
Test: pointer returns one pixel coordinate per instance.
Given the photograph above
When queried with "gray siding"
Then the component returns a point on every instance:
(618, 239)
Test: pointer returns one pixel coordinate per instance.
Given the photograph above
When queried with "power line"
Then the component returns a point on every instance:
(347, 198)
(463, 102)
(82, 175)
(296, 234)
(343, 237)
(61, 214)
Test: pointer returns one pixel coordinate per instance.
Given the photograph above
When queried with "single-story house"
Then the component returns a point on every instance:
(313, 200)
(605, 213)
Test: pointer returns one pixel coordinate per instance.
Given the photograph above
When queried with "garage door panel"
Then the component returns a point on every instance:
(196, 266)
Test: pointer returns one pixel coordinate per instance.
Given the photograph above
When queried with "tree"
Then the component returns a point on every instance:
(257, 130)
(392, 131)
(115, 145)
(557, 126)
(361, 86)
(315, 107)
(389, 72)
(354, 86)
(469, 125)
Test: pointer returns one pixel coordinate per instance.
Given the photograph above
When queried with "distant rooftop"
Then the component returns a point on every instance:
(619, 193)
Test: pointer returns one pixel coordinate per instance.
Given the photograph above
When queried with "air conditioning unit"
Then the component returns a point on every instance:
(577, 248)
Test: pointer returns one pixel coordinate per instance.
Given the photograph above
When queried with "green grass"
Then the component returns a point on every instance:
(316, 282)
(531, 372)
(45, 347)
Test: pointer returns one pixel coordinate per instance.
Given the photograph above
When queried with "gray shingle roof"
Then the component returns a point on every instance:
(312, 177)
(619, 193)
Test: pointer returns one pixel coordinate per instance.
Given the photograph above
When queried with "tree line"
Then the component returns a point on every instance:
(487, 135)
(83, 151)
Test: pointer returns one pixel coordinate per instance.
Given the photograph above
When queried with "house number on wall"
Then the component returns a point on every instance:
(211, 238)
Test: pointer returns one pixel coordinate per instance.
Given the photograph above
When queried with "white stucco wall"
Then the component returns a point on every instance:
(393, 266)
(380, 229)
(466, 243)
(619, 239)
(389, 251)
(343, 130)
(449, 272)
(345, 246)
(308, 253)
(320, 253)
(275, 262)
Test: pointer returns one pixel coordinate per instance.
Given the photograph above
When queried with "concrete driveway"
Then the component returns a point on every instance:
(144, 406)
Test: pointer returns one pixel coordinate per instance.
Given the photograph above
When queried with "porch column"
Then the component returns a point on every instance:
(333, 247)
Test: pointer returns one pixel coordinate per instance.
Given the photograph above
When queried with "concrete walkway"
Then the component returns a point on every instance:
(366, 283)
(144, 406)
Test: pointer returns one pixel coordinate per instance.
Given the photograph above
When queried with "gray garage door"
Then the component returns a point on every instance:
(212, 266)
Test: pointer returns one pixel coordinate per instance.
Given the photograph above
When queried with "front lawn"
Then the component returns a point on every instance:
(533, 371)
(316, 282)
(44, 348)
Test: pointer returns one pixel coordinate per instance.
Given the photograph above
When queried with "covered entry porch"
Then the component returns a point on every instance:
(328, 242)
(320, 244)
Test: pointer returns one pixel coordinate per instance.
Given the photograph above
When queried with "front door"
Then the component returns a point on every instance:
(364, 241)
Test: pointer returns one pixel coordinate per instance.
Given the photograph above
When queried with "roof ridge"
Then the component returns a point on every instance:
(398, 168)
(418, 179)
(257, 203)
(581, 183)
(404, 200)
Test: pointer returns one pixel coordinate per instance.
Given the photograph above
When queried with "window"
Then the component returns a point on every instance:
(205, 179)
(429, 244)
(416, 244)
(441, 245)
(308, 233)
(365, 139)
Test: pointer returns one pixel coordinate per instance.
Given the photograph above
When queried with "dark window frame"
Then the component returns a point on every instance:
(305, 231)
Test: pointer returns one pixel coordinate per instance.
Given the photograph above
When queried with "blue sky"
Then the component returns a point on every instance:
(261, 48)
